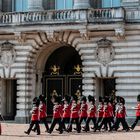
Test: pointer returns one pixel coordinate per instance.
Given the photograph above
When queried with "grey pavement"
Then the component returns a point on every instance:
(11, 131)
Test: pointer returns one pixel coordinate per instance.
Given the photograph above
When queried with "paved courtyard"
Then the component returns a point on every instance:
(16, 132)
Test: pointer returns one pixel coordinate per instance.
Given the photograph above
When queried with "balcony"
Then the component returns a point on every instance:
(63, 17)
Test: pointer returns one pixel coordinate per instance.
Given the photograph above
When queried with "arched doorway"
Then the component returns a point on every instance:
(62, 74)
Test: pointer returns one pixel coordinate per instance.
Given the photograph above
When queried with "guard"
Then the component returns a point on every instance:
(137, 113)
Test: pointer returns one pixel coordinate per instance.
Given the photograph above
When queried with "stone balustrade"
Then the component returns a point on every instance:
(62, 16)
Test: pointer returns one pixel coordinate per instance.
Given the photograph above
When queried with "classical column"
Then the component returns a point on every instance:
(81, 4)
(35, 5)
(0, 5)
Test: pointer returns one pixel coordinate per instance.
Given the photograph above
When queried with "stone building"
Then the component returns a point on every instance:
(88, 47)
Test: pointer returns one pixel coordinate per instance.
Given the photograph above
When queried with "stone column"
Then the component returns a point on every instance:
(81, 4)
(35, 5)
(0, 5)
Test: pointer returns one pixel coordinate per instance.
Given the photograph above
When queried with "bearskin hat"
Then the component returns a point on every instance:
(120, 100)
(67, 98)
(42, 98)
(100, 99)
(138, 98)
(106, 99)
(35, 99)
(75, 98)
(91, 99)
(58, 99)
(83, 98)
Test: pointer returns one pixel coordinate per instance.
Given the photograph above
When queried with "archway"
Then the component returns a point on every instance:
(62, 74)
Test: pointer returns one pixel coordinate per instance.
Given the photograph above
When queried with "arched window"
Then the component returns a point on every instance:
(111, 3)
(20, 5)
(63, 4)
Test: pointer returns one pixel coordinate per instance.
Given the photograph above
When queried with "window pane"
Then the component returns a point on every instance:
(59, 4)
(69, 4)
(20, 5)
(106, 3)
(116, 3)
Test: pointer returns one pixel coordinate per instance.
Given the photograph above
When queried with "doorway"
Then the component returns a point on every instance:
(105, 87)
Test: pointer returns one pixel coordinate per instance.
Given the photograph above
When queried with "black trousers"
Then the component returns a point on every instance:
(88, 121)
(99, 120)
(123, 122)
(44, 121)
(54, 122)
(135, 123)
(77, 124)
(81, 120)
(36, 123)
(64, 121)
(105, 122)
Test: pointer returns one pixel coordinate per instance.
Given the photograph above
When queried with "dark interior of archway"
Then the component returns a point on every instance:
(66, 58)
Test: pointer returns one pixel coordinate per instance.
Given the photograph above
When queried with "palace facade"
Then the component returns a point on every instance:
(67, 47)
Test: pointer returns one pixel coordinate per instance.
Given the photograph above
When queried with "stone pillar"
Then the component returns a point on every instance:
(35, 5)
(81, 4)
(0, 5)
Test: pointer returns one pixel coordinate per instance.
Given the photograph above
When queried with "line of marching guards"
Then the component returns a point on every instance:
(69, 110)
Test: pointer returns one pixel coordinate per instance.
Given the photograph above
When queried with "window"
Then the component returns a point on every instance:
(63, 4)
(21, 5)
(111, 3)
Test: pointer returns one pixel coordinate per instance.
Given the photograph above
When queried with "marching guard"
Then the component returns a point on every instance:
(137, 113)
(120, 115)
(83, 110)
(66, 111)
(34, 117)
(74, 115)
(57, 113)
(91, 113)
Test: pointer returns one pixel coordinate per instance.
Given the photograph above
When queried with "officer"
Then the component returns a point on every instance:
(34, 117)
(57, 110)
(83, 110)
(137, 108)
(74, 114)
(91, 113)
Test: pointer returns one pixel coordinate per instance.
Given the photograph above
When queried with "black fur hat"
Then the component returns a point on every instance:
(138, 97)
(120, 100)
(58, 99)
(75, 98)
(67, 98)
(35, 99)
(42, 98)
(100, 99)
(91, 99)
(83, 98)
(106, 99)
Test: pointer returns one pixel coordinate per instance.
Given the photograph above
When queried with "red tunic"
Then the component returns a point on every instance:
(138, 110)
(74, 111)
(66, 111)
(35, 114)
(83, 110)
(106, 111)
(92, 111)
(57, 111)
(100, 111)
(121, 112)
(43, 109)
(110, 108)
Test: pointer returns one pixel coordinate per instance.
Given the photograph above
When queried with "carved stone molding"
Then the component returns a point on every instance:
(21, 38)
(120, 33)
(104, 52)
(84, 34)
(52, 36)
(7, 54)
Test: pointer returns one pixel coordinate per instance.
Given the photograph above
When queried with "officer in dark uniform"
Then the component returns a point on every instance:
(57, 113)
(91, 113)
(34, 117)
(137, 108)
